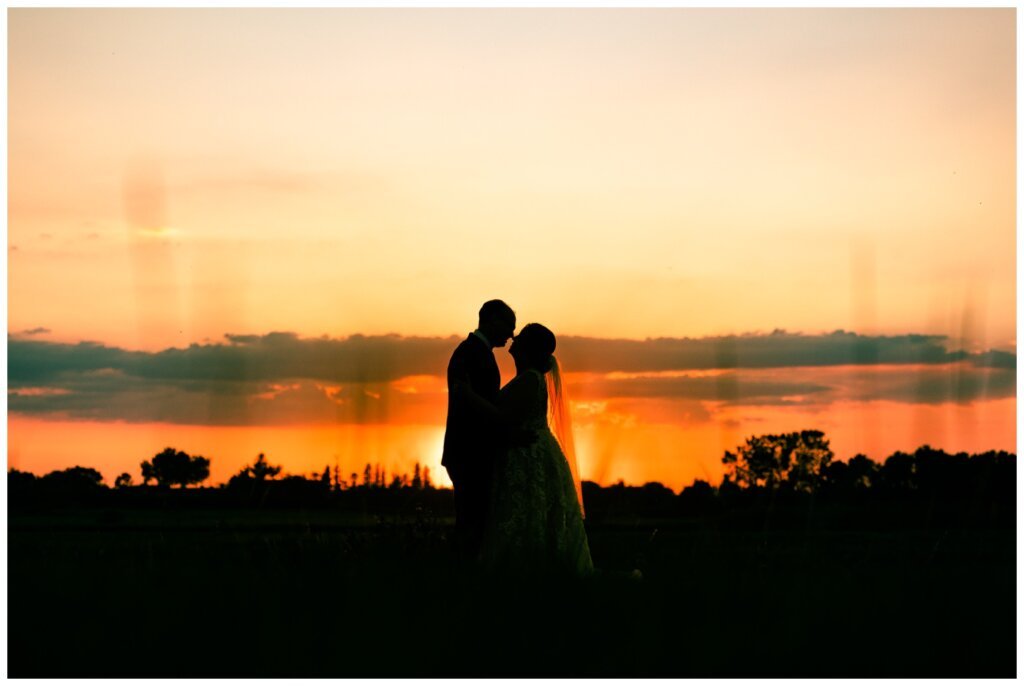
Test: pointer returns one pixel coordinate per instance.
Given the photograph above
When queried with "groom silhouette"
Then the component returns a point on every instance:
(471, 439)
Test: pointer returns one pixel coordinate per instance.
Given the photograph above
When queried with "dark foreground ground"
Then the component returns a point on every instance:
(290, 593)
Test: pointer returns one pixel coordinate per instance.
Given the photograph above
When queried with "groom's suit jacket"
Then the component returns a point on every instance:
(469, 438)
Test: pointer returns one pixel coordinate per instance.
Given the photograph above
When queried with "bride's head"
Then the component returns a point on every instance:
(533, 348)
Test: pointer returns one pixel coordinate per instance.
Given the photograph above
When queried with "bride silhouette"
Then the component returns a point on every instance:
(535, 524)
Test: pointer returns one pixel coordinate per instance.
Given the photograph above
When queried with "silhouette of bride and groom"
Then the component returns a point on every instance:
(509, 453)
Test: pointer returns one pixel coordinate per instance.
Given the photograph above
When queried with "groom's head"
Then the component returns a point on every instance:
(497, 322)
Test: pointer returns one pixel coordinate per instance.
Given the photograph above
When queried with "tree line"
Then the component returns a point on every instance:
(793, 478)
(770, 472)
(176, 469)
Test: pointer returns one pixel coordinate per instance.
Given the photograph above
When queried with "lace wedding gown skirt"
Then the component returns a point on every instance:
(536, 523)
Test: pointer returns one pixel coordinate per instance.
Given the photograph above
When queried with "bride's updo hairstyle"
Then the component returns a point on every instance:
(536, 344)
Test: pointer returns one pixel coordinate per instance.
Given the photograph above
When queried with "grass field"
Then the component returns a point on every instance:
(292, 593)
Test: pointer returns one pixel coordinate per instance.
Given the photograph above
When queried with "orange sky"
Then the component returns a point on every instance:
(179, 175)
(674, 454)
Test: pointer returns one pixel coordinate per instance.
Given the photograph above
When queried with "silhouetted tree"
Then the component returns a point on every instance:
(653, 498)
(863, 471)
(367, 475)
(16, 477)
(147, 473)
(72, 484)
(417, 481)
(810, 455)
(123, 480)
(898, 473)
(857, 475)
(426, 478)
(696, 497)
(261, 470)
(255, 478)
(992, 477)
(84, 475)
(940, 474)
(796, 459)
(172, 466)
(20, 485)
(728, 488)
(325, 478)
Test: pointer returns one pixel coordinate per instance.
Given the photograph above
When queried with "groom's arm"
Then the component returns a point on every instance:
(461, 388)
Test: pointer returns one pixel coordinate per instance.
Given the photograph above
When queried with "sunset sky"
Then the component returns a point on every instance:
(233, 231)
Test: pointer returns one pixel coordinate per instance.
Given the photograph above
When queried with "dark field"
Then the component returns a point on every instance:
(293, 593)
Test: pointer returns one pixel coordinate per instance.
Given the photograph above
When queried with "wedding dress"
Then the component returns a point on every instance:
(536, 521)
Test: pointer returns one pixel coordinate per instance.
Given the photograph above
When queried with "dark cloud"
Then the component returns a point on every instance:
(39, 330)
(957, 384)
(32, 363)
(272, 357)
(277, 356)
(810, 387)
(110, 396)
(960, 382)
(778, 349)
(997, 359)
(282, 378)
